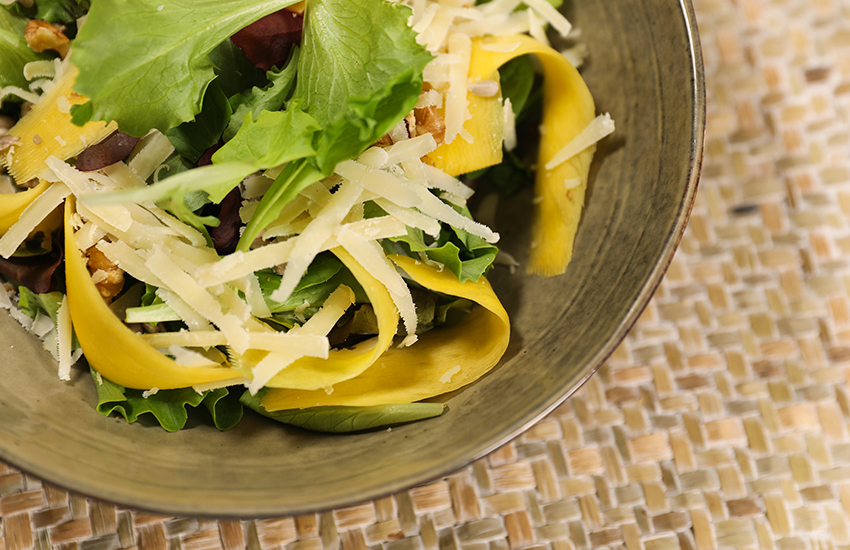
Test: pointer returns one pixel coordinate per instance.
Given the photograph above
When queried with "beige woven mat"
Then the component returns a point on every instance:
(721, 422)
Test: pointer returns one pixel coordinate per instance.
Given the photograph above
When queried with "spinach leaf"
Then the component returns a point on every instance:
(517, 79)
(346, 419)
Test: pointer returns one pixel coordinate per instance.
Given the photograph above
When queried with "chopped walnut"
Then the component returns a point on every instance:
(384, 141)
(41, 36)
(108, 277)
(405, 129)
(429, 121)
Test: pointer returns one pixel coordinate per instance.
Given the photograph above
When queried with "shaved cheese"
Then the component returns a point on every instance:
(551, 15)
(5, 301)
(438, 179)
(185, 338)
(431, 98)
(436, 208)
(255, 186)
(32, 215)
(410, 217)
(510, 141)
(379, 182)
(536, 28)
(311, 241)
(37, 69)
(371, 256)
(128, 259)
(447, 376)
(239, 264)
(456, 101)
(373, 157)
(149, 154)
(201, 388)
(410, 149)
(501, 48)
(187, 314)
(64, 333)
(42, 324)
(123, 177)
(179, 282)
(88, 235)
(116, 215)
(233, 303)
(600, 127)
(177, 227)
(188, 358)
(319, 324)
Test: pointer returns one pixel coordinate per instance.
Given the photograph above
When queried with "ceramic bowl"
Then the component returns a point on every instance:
(645, 69)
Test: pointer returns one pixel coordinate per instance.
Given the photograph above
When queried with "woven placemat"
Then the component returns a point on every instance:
(722, 420)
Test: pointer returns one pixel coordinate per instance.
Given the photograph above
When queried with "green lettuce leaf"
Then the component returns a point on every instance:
(144, 63)
(359, 73)
(234, 71)
(14, 52)
(269, 98)
(192, 139)
(168, 407)
(274, 138)
(466, 255)
(31, 303)
(224, 407)
(347, 419)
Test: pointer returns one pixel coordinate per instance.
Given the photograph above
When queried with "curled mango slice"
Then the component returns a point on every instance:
(443, 359)
(567, 110)
(47, 130)
(310, 373)
(110, 347)
(12, 205)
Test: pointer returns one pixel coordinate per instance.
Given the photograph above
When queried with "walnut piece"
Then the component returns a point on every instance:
(41, 36)
(108, 277)
(429, 121)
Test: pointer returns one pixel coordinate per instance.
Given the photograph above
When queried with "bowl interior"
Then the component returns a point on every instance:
(645, 69)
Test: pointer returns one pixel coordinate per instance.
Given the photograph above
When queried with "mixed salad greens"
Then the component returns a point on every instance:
(242, 204)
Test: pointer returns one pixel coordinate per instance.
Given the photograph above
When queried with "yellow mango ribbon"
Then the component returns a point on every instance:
(47, 131)
(110, 347)
(311, 373)
(443, 360)
(567, 110)
(12, 205)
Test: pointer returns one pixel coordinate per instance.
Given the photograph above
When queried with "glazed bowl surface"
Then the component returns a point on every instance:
(645, 69)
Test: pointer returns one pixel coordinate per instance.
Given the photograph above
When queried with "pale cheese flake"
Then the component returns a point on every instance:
(371, 256)
(319, 324)
(447, 376)
(312, 239)
(598, 128)
(32, 215)
(64, 333)
(188, 358)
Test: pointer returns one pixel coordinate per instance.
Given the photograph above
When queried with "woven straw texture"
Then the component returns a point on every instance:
(721, 421)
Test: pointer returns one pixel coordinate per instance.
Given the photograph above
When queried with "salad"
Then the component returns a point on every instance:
(266, 204)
